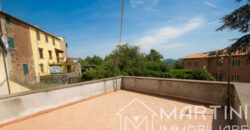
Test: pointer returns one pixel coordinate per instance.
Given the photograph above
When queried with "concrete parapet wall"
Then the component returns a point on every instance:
(241, 99)
(20, 105)
(199, 91)
(16, 106)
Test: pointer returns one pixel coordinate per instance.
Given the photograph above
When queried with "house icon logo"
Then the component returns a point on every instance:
(136, 116)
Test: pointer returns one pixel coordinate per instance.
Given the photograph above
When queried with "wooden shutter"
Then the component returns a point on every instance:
(25, 69)
(11, 42)
(7, 20)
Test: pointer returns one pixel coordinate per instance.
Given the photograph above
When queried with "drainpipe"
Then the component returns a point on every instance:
(228, 83)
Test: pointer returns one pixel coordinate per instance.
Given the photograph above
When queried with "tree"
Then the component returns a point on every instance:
(179, 64)
(83, 62)
(154, 56)
(95, 60)
(201, 74)
(131, 60)
(238, 20)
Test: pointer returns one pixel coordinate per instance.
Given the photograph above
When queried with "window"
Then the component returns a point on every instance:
(219, 63)
(37, 35)
(189, 64)
(53, 41)
(235, 78)
(219, 77)
(196, 64)
(46, 38)
(41, 53)
(50, 54)
(7, 18)
(11, 42)
(236, 63)
(41, 68)
(25, 69)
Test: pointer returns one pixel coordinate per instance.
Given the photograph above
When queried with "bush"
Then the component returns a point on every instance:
(201, 74)
(180, 74)
(104, 70)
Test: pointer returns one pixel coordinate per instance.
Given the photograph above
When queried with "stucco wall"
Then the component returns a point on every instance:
(17, 88)
(22, 54)
(46, 46)
(16, 106)
(194, 90)
(3, 82)
(211, 65)
(202, 63)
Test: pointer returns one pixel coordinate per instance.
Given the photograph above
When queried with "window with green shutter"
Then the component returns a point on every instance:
(7, 18)
(25, 69)
(11, 43)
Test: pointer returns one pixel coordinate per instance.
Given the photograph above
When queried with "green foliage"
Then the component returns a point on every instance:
(179, 64)
(131, 60)
(95, 60)
(83, 62)
(154, 56)
(238, 20)
(201, 74)
(104, 70)
(134, 63)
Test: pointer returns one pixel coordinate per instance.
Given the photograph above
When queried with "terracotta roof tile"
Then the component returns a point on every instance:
(207, 55)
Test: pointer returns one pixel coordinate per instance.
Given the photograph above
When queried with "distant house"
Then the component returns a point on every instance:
(218, 65)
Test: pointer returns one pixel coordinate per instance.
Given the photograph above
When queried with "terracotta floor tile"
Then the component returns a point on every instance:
(100, 113)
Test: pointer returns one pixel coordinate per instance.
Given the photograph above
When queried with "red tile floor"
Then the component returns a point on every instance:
(119, 110)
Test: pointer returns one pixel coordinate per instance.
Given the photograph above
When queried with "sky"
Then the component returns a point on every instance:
(176, 28)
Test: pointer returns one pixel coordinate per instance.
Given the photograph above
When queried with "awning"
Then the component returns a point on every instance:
(59, 51)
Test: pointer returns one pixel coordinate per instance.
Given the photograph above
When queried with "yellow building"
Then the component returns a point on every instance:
(46, 50)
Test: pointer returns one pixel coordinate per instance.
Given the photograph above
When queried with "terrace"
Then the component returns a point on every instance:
(109, 103)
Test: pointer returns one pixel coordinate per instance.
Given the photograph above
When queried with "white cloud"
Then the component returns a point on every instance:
(210, 4)
(161, 37)
(155, 2)
(148, 5)
(134, 3)
(172, 46)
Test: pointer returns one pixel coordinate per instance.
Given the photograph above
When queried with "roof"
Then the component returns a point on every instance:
(71, 58)
(207, 55)
(2, 12)
(198, 55)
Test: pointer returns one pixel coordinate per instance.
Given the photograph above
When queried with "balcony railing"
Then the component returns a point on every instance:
(66, 60)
